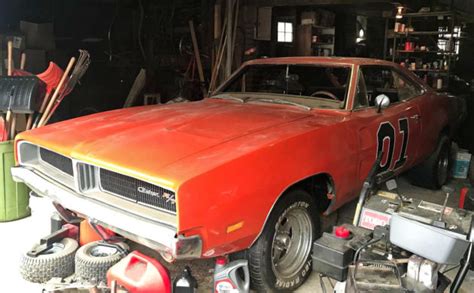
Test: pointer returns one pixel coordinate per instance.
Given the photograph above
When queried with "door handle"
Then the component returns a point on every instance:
(416, 117)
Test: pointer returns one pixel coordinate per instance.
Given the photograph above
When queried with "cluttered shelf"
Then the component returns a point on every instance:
(428, 14)
(410, 34)
(429, 70)
(438, 52)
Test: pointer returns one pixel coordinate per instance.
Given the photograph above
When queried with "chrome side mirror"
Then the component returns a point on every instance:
(382, 102)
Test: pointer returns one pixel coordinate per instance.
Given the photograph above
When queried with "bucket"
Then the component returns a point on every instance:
(87, 234)
(461, 164)
(14, 197)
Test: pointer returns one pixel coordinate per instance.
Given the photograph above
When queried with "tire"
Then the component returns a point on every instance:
(274, 264)
(433, 172)
(57, 262)
(94, 259)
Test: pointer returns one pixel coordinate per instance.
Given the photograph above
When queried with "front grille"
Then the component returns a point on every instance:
(137, 190)
(56, 160)
(87, 177)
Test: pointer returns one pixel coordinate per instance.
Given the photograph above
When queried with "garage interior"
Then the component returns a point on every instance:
(82, 57)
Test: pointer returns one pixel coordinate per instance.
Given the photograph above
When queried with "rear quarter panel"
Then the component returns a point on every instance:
(437, 113)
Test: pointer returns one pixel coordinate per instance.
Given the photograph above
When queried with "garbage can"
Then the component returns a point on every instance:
(14, 197)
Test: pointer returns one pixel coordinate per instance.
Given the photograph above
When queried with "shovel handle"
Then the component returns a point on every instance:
(13, 127)
(23, 61)
(10, 58)
(56, 92)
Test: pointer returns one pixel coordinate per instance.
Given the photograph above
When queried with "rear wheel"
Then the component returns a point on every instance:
(433, 172)
(280, 260)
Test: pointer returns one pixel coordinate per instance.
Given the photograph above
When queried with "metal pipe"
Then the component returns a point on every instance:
(229, 53)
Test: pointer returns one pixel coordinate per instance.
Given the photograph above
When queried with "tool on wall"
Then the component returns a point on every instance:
(20, 95)
(65, 85)
(51, 76)
(82, 64)
(56, 92)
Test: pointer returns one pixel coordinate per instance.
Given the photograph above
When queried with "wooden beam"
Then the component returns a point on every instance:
(197, 55)
(136, 88)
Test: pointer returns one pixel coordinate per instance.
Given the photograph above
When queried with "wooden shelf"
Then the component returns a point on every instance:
(429, 70)
(322, 44)
(428, 14)
(421, 33)
(322, 27)
(426, 52)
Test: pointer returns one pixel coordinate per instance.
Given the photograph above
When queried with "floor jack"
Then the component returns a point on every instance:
(397, 244)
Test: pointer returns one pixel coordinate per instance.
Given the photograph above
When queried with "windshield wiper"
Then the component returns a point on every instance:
(242, 100)
(282, 102)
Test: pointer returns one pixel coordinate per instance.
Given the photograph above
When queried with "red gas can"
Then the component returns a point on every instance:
(138, 273)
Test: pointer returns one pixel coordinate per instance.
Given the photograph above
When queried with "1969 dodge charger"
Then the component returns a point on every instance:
(251, 168)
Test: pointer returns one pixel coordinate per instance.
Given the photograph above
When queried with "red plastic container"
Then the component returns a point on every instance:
(138, 273)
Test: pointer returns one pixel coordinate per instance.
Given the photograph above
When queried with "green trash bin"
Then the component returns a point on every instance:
(14, 197)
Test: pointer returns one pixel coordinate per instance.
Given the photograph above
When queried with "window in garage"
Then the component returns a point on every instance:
(285, 32)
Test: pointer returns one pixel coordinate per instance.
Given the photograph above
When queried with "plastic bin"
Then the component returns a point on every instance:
(461, 164)
(14, 197)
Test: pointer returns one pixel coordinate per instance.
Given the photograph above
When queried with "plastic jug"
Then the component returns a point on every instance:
(138, 273)
(185, 283)
(228, 280)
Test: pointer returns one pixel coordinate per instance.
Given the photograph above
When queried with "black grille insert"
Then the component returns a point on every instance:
(57, 161)
(137, 190)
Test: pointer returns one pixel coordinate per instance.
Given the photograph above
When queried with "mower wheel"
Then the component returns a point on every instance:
(56, 262)
(94, 259)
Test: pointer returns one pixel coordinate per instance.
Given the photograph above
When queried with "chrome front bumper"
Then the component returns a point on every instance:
(153, 234)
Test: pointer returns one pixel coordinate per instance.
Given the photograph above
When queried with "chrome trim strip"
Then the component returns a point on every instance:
(145, 231)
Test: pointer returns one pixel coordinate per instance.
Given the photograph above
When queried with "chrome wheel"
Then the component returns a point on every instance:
(292, 242)
(103, 251)
(443, 164)
(55, 248)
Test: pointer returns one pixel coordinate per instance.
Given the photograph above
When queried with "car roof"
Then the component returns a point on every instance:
(320, 60)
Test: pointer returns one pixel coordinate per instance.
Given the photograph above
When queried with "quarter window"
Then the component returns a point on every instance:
(385, 80)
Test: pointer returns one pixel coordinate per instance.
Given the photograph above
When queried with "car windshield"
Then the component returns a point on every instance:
(314, 86)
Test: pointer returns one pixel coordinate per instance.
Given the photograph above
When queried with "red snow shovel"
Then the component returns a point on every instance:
(51, 77)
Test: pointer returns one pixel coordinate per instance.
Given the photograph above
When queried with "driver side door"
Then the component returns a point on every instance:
(394, 131)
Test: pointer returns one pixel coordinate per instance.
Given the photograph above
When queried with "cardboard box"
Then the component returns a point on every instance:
(308, 17)
(35, 60)
(38, 35)
(4, 61)
(18, 40)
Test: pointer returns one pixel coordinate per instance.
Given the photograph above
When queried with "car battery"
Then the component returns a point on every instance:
(333, 252)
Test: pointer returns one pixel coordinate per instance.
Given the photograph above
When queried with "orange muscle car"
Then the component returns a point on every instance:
(252, 167)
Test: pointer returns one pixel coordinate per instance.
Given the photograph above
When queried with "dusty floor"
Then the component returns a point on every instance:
(18, 237)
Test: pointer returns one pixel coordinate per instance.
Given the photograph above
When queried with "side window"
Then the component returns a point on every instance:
(407, 89)
(361, 100)
(379, 80)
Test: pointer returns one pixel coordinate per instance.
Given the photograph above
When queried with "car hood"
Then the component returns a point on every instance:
(147, 139)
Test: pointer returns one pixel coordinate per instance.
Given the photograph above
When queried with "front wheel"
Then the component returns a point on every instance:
(280, 260)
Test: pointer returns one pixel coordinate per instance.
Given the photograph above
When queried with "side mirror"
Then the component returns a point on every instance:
(382, 102)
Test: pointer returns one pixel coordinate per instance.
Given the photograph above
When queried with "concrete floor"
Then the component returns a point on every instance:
(19, 236)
